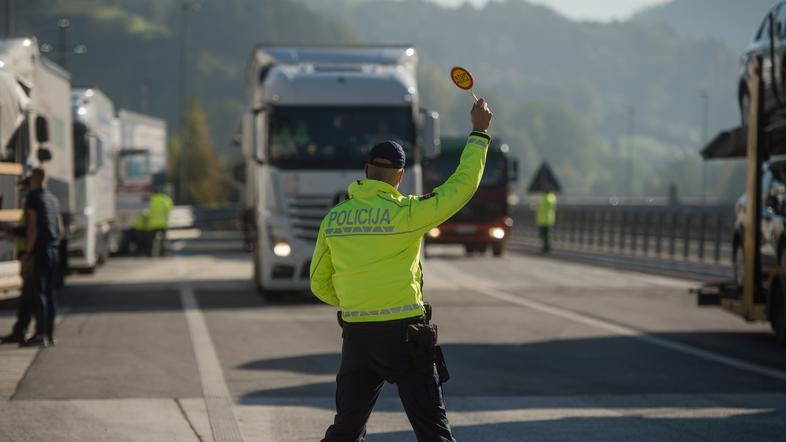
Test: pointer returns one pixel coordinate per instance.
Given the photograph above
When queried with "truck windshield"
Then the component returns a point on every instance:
(134, 167)
(335, 137)
(436, 171)
(81, 150)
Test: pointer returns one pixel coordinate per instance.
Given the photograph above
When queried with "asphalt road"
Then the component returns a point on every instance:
(182, 348)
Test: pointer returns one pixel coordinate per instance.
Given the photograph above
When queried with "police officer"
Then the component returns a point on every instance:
(367, 263)
(546, 217)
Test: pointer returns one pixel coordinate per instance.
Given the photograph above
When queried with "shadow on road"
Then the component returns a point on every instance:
(763, 425)
(613, 365)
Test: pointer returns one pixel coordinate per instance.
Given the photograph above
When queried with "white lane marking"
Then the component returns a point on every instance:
(483, 287)
(214, 387)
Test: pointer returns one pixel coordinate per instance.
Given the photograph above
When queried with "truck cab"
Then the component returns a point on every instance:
(484, 222)
(95, 146)
(141, 165)
(314, 113)
(35, 129)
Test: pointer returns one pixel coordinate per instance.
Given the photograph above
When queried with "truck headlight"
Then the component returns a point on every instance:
(434, 233)
(282, 249)
(497, 232)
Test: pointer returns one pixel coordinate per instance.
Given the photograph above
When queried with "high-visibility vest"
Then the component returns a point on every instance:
(547, 210)
(367, 257)
(160, 207)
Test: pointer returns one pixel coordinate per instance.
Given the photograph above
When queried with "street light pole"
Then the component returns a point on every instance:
(185, 7)
(631, 136)
(9, 18)
(64, 44)
(704, 96)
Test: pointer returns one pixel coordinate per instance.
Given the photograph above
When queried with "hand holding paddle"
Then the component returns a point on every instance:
(481, 116)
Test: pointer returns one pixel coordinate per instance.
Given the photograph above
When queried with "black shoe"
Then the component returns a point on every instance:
(13, 338)
(36, 341)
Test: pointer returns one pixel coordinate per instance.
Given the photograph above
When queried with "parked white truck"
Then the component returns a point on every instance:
(313, 115)
(95, 147)
(141, 165)
(35, 128)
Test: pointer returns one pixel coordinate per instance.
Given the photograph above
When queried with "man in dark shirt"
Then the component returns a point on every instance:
(44, 232)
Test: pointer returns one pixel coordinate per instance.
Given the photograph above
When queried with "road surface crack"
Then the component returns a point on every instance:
(185, 416)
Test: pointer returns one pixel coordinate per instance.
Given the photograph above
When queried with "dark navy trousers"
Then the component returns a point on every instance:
(47, 262)
(373, 353)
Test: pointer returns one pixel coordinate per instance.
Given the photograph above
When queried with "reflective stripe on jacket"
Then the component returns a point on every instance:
(367, 257)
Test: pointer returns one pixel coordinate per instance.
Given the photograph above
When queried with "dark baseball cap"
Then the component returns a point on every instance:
(388, 150)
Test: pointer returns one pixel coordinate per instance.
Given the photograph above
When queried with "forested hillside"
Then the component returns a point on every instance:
(732, 22)
(134, 42)
(568, 92)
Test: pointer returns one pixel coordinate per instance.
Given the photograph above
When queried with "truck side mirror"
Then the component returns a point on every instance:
(513, 172)
(43, 154)
(94, 154)
(255, 135)
(41, 129)
(429, 133)
(771, 202)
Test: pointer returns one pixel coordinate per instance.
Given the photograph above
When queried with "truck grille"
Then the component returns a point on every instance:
(306, 212)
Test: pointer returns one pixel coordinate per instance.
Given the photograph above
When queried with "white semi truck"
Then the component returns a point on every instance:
(313, 115)
(141, 165)
(95, 148)
(35, 128)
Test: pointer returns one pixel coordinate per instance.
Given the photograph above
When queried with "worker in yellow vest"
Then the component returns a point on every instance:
(149, 228)
(545, 218)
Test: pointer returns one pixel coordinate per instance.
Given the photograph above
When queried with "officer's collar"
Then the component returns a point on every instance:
(369, 186)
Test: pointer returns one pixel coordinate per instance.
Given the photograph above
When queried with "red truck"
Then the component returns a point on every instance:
(485, 221)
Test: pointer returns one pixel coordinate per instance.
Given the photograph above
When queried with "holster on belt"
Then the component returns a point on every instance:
(422, 338)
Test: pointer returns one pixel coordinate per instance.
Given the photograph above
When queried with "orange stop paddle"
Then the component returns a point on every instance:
(463, 79)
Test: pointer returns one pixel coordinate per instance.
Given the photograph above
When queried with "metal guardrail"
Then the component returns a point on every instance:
(675, 232)
(183, 217)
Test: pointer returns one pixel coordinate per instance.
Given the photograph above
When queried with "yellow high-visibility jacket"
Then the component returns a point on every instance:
(160, 207)
(156, 216)
(547, 210)
(367, 257)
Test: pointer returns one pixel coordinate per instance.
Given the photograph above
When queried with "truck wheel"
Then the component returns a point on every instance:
(469, 249)
(257, 276)
(738, 263)
(497, 249)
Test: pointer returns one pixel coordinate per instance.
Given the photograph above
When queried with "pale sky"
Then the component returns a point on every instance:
(599, 10)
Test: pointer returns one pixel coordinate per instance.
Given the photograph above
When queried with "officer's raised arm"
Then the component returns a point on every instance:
(433, 209)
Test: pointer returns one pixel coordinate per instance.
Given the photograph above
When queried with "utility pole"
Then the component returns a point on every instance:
(9, 18)
(631, 136)
(145, 93)
(704, 96)
(186, 7)
(65, 47)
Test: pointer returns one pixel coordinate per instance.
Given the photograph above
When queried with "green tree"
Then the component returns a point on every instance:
(207, 181)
